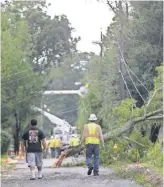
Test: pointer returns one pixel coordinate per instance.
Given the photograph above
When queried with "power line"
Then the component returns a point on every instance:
(125, 83)
(16, 80)
(67, 111)
(133, 72)
(156, 46)
(20, 101)
(17, 73)
(159, 44)
(130, 75)
(133, 105)
(137, 77)
(135, 86)
(15, 95)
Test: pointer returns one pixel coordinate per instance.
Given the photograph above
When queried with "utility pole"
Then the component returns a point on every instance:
(121, 50)
(41, 117)
(101, 44)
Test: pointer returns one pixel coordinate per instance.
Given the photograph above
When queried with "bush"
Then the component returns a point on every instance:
(129, 150)
(109, 156)
(5, 142)
(154, 155)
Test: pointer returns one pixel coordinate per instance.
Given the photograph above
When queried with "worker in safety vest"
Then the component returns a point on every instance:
(92, 136)
(51, 146)
(74, 142)
(57, 146)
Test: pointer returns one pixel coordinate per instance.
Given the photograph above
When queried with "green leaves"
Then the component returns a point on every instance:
(156, 96)
(18, 78)
(144, 44)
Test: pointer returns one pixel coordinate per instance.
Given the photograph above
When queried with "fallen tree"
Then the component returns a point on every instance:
(125, 129)
(129, 125)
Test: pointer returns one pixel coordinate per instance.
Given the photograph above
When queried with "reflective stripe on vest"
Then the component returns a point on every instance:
(92, 135)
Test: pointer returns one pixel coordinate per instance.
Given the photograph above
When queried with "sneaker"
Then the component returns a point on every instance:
(32, 178)
(90, 171)
(41, 177)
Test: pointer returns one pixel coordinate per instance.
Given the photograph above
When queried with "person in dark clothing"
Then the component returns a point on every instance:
(33, 139)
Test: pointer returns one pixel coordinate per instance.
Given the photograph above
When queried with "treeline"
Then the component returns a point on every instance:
(126, 83)
(33, 46)
(132, 50)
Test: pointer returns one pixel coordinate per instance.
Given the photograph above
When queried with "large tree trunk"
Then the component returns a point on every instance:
(16, 132)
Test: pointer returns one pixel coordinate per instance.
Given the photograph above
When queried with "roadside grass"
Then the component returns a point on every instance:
(5, 166)
(148, 176)
(152, 166)
(137, 176)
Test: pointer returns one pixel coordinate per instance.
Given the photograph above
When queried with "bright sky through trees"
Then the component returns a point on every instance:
(87, 17)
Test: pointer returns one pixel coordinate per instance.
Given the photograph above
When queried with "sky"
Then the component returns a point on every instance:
(87, 17)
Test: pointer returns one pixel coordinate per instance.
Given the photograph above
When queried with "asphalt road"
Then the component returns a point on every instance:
(64, 177)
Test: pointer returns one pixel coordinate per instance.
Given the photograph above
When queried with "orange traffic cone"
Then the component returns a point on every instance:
(7, 158)
(20, 152)
(19, 155)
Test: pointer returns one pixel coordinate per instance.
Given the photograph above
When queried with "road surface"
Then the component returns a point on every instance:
(64, 177)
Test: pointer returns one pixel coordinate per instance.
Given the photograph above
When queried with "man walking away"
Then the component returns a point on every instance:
(57, 146)
(35, 138)
(92, 135)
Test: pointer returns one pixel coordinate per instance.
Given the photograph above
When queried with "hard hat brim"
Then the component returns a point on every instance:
(90, 119)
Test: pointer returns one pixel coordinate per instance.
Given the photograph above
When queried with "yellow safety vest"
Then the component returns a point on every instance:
(74, 142)
(51, 143)
(92, 134)
(57, 143)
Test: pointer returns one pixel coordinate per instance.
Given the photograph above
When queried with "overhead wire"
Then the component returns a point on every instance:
(129, 74)
(156, 46)
(133, 72)
(16, 73)
(159, 44)
(137, 77)
(15, 95)
(35, 94)
(15, 80)
(67, 111)
(58, 113)
(23, 99)
(32, 93)
(125, 84)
